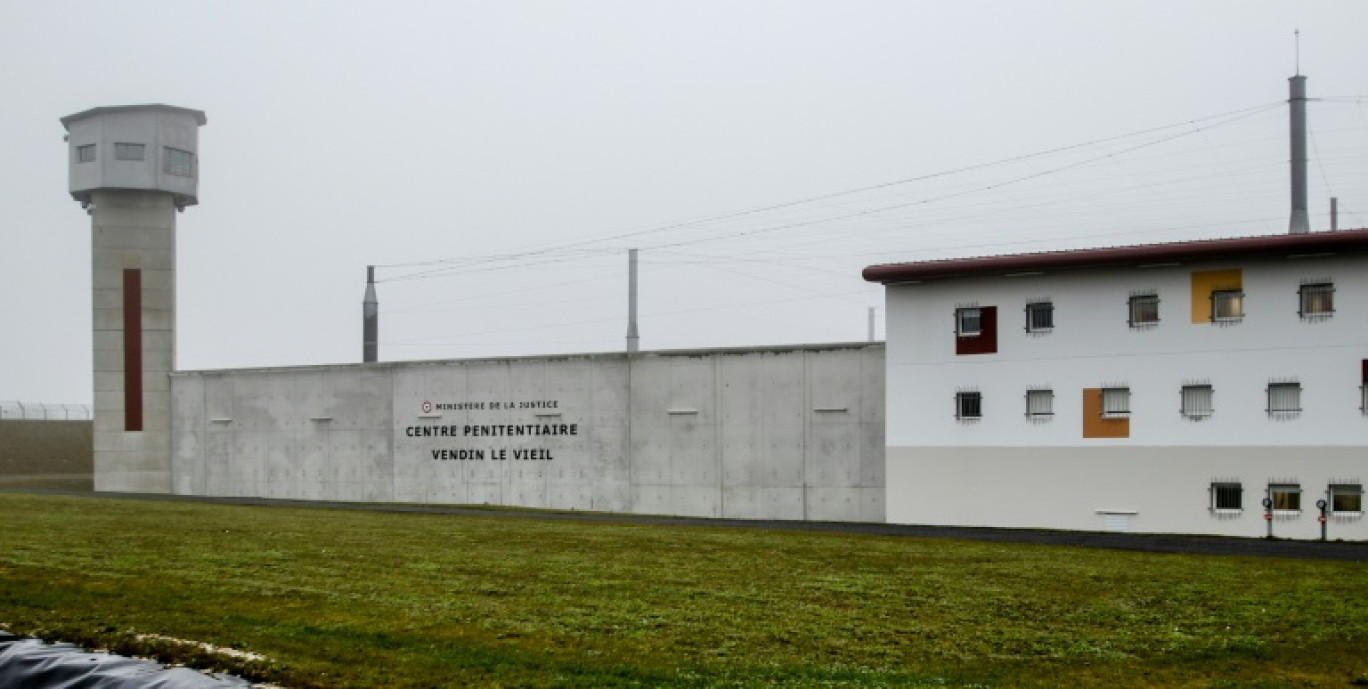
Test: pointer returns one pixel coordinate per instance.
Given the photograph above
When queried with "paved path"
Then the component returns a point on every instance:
(1154, 543)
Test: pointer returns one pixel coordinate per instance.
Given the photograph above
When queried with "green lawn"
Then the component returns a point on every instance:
(382, 599)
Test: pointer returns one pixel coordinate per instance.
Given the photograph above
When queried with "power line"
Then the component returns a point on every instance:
(463, 262)
(957, 194)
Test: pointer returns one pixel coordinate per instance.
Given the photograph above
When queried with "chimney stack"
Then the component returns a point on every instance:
(370, 320)
(633, 339)
(1299, 223)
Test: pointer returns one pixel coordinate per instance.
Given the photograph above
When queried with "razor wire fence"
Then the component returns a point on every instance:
(37, 411)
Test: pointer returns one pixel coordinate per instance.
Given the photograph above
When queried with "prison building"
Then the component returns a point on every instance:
(1211, 387)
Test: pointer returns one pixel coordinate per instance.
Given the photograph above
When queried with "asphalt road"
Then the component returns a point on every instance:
(1152, 543)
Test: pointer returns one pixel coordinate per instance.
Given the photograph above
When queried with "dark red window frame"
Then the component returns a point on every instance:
(985, 342)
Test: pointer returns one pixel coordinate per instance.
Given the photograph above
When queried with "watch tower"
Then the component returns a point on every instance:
(133, 168)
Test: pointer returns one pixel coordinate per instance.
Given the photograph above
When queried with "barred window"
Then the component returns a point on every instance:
(1115, 402)
(1317, 300)
(968, 405)
(1227, 305)
(1144, 310)
(1286, 497)
(1039, 317)
(1284, 398)
(1040, 403)
(1346, 497)
(1227, 496)
(178, 162)
(128, 151)
(968, 322)
(85, 153)
(1197, 401)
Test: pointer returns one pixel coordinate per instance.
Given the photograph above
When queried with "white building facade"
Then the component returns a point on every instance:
(1212, 387)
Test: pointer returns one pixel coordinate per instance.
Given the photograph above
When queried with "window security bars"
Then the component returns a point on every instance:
(1115, 402)
(1227, 496)
(1039, 404)
(1227, 305)
(1039, 317)
(1286, 497)
(968, 322)
(968, 405)
(1317, 300)
(1197, 401)
(1144, 310)
(1346, 498)
(1284, 399)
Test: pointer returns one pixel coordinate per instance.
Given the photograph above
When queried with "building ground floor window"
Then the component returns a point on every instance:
(1227, 496)
(1346, 498)
(1285, 497)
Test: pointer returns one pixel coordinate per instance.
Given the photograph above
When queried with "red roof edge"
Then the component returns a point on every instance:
(1138, 254)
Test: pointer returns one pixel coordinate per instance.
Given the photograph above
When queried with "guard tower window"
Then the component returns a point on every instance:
(1317, 300)
(178, 162)
(85, 153)
(128, 151)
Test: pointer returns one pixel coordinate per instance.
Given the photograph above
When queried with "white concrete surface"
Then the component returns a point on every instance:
(154, 128)
(133, 229)
(777, 433)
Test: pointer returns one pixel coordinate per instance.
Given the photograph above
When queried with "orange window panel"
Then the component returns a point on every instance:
(1097, 426)
(1204, 282)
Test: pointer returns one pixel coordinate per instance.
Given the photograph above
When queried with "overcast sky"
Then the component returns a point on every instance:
(498, 159)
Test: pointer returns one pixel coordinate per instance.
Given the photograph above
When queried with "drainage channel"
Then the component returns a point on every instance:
(26, 662)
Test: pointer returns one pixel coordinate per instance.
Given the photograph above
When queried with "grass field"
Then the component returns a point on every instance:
(381, 599)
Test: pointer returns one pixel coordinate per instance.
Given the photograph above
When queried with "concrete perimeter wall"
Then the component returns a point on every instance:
(774, 433)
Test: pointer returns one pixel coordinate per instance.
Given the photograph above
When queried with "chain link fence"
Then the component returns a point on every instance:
(34, 411)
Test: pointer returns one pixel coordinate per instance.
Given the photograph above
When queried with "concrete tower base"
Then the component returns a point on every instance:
(133, 277)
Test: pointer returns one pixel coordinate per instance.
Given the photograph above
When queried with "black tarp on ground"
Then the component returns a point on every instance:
(32, 663)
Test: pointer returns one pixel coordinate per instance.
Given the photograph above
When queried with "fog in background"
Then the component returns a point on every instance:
(496, 160)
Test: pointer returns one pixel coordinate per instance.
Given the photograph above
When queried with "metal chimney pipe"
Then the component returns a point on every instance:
(871, 324)
(1334, 213)
(1299, 222)
(370, 320)
(633, 339)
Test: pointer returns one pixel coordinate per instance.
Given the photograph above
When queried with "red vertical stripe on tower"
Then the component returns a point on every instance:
(132, 342)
